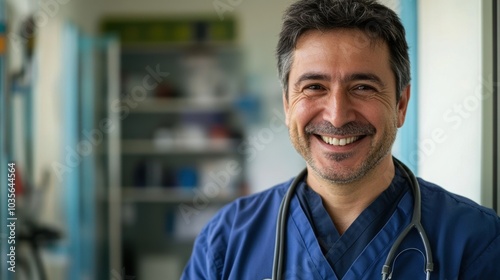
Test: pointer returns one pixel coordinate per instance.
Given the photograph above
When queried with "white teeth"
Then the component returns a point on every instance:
(339, 142)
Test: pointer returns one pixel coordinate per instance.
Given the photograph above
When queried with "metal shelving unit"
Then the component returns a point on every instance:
(172, 137)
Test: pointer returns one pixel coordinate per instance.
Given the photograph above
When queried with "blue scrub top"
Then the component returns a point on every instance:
(238, 243)
(342, 250)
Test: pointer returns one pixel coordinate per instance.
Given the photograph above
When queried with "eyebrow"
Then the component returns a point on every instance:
(364, 77)
(312, 76)
(351, 77)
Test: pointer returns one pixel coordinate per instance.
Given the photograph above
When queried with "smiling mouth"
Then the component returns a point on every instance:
(339, 141)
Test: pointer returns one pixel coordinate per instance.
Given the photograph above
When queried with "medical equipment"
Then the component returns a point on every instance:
(279, 247)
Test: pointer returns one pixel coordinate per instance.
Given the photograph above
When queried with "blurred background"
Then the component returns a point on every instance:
(130, 123)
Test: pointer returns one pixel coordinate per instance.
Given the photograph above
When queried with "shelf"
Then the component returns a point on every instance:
(174, 195)
(151, 147)
(169, 30)
(154, 48)
(173, 131)
(177, 105)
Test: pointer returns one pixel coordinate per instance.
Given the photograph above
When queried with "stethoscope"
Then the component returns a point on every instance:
(279, 246)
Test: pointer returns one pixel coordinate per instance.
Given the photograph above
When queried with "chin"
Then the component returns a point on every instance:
(336, 172)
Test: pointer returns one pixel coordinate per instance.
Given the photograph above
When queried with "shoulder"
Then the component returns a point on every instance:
(247, 206)
(461, 231)
(243, 213)
(246, 222)
(438, 199)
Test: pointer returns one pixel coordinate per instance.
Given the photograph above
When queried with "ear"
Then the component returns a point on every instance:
(285, 106)
(403, 105)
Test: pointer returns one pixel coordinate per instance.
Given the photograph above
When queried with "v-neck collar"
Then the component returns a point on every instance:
(335, 254)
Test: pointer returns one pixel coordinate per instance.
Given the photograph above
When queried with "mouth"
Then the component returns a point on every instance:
(334, 141)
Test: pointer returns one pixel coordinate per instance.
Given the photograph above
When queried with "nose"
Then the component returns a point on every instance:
(339, 109)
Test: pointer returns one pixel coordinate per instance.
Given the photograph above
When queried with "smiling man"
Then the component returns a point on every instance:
(355, 212)
(343, 113)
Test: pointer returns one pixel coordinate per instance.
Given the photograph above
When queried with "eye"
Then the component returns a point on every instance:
(313, 89)
(364, 89)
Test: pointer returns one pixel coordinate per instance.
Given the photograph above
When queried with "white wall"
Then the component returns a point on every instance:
(450, 81)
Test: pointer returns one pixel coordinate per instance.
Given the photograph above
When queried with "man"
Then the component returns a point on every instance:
(344, 69)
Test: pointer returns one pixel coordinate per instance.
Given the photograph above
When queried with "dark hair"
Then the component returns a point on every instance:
(374, 19)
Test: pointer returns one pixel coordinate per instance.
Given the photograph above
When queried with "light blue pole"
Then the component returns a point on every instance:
(70, 157)
(408, 134)
(88, 193)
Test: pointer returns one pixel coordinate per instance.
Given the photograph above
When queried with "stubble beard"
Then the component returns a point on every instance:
(378, 151)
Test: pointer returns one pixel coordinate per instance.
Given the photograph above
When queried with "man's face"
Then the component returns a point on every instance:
(341, 110)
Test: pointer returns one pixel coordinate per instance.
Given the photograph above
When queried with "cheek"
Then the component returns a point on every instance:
(379, 116)
(301, 112)
(383, 105)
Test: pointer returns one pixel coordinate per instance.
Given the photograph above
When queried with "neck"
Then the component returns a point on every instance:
(345, 202)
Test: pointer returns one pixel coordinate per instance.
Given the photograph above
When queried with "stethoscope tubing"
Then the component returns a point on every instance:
(415, 223)
(279, 249)
(279, 246)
